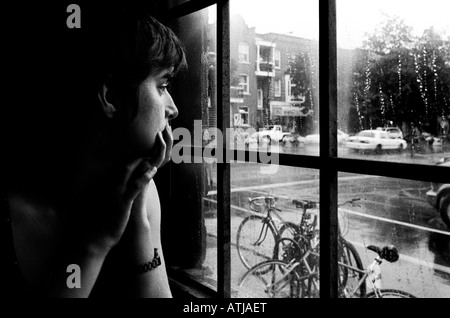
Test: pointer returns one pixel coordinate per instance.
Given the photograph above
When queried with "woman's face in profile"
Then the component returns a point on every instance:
(155, 109)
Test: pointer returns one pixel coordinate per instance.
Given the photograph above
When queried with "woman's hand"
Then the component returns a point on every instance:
(101, 204)
(161, 156)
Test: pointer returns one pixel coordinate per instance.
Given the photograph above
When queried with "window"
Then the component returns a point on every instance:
(365, 196)
(260, 99)
(288, 87)
(277, 88)
(243, 53)
(244, 82)
(243, 112)
(277, 58)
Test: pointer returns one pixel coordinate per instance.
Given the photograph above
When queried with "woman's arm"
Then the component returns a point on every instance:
(142, 239)
(95, 222)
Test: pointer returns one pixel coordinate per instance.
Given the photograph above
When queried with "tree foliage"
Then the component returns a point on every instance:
(403, 79)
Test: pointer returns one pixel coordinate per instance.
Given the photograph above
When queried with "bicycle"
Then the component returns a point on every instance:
(258, 234)
(254, 245)
(309, 239)
(299, 279)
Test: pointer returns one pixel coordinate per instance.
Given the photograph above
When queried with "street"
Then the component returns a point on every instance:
(389, 211)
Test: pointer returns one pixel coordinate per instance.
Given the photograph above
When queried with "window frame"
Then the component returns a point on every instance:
(245, 85)
(277, 87)
(328, 164)
(277, 58)
(246, 53)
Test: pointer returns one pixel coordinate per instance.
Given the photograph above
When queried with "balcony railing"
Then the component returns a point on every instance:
(264, 68)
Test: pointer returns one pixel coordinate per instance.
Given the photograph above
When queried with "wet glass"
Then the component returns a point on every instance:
(260, 191)
(274, 76)
(194, 173)
(399, 213)
(394, 80)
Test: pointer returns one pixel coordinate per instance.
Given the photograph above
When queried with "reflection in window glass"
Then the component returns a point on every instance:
(195, 177)
(396, 212)
(394, 76)
(278, 82)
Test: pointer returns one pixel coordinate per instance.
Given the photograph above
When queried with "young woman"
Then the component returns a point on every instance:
(83, 200)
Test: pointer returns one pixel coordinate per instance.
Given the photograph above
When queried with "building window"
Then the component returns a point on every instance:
(243, 52)
(277, 58)
(260, 98)
(277, 88)
(243, 111)
(288, 87)
(367, 196)
(244, 83)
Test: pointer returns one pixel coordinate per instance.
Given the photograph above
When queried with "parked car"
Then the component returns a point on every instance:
(314, 138)
(376, 140)
(393, 132)
(293, 139)
(439, 195)
(271, 133)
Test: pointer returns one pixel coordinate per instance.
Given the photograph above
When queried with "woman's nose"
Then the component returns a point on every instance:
(171, 108)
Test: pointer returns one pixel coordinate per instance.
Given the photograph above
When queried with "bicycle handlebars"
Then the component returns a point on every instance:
(388, 252)
(269, 201)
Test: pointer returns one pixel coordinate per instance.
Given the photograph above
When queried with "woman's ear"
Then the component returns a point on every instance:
(107, 106)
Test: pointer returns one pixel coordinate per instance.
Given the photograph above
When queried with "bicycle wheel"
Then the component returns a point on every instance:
(255, 240)
(272, 279)
(349, 278)
(289, 230)
(391, 293)
(290, 243)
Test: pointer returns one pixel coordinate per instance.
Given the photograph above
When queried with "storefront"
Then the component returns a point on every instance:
(286, 113)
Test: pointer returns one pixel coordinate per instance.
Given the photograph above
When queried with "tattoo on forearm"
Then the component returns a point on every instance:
(143, 268)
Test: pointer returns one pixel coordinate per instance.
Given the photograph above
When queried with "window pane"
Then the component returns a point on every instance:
(282, 74)
(394, 76)
(254, 242)
(397, 212)
(193, 176)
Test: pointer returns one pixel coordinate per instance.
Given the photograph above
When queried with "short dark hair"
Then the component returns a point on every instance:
(134, 44)
(130, 45)
(57, 73)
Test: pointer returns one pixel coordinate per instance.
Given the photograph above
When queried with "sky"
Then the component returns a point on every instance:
(354, 17)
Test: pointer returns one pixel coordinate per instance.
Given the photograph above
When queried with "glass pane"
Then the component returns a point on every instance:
(394, 79)
(272, 227)
(281, 72)
(174, 3)
(396, 213)
(194, 177)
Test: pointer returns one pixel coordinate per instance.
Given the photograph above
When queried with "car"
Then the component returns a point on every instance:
(314, 138)
(293, 139)
(439, 195)
(376, 140)
(393, 132)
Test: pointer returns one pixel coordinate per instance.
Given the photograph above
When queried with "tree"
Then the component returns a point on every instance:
(403, 79)
(303, 70)
(390, 36)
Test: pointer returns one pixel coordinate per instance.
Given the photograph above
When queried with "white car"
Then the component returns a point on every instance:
(376, 140)
(314, 138)
(393, 132)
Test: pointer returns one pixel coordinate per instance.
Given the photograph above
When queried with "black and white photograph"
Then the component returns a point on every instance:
(223, 152)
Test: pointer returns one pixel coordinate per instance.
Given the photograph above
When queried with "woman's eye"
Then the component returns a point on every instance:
(164, 87)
